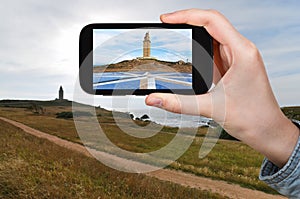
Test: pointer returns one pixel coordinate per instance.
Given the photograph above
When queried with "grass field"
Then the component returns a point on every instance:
(292, 112)
(231, 161)
(31, 167)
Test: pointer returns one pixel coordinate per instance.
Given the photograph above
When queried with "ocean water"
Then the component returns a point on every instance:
(136, 105)
(169, 119)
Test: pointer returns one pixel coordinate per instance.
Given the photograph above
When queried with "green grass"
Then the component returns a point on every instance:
(31, 167)
(47, 123)
(231, 161)
(292, 112)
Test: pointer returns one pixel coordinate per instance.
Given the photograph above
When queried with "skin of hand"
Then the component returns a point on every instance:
(252, 113)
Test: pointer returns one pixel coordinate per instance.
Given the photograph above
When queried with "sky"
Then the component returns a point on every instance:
(39, 40)
(115, 45)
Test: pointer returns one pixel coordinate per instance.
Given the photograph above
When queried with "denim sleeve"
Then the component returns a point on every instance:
(285, 180)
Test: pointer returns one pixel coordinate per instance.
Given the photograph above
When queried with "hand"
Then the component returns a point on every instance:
(242, 89)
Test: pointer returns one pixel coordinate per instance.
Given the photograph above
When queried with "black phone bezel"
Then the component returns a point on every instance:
(202, 72)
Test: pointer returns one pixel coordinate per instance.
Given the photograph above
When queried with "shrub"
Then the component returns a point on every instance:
(69, 115)
(225, 136)
(64, 115)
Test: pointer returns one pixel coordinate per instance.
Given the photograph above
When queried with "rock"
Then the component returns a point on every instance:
(212, 123)
(180, 62)
(131, 116)
(145, 117)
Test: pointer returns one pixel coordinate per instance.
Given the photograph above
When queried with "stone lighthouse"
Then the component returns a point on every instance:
(146, 46)
(61, 94)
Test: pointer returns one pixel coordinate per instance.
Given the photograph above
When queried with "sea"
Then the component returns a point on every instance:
(167, 118)
(136, 106)
(173, 120)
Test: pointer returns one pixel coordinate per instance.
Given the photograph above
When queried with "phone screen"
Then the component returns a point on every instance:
(139, 59)
(142, 59)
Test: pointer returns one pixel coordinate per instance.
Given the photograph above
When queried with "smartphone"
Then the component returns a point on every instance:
(142, 58)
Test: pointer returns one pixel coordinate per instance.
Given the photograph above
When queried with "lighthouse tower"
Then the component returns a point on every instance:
(61, 94)
(147, 46)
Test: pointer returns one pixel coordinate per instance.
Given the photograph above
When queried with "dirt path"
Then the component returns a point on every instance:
(185, 179)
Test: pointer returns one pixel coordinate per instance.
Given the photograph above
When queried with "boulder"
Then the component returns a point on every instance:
(145, 117)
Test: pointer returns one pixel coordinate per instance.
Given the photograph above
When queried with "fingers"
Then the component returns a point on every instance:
(218, 70)
(185, 104)
(214, 22)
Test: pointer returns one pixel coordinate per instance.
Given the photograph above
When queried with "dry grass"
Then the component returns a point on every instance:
(47, 123)
(231, 161)
(31, 167)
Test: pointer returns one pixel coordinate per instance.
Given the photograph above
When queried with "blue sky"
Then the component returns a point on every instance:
(112, 46)
(39, 40)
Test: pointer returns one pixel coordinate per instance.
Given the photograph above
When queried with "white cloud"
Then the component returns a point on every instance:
(128, 45)
(287, 89)
(39, 39)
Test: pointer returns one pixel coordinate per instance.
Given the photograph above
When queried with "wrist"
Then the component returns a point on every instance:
(282, 141)
(277, 140)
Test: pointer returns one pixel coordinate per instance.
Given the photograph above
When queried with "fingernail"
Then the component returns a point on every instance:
(166, 15)
(157, 102)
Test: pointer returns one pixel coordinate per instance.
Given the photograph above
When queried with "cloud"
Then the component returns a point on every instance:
(289, 86)
(113, 46)
(39, 39)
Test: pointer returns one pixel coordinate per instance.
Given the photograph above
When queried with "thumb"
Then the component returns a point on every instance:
(185, 104)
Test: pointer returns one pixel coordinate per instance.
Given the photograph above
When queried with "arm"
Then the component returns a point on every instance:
(242, 82)
(285, 180)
